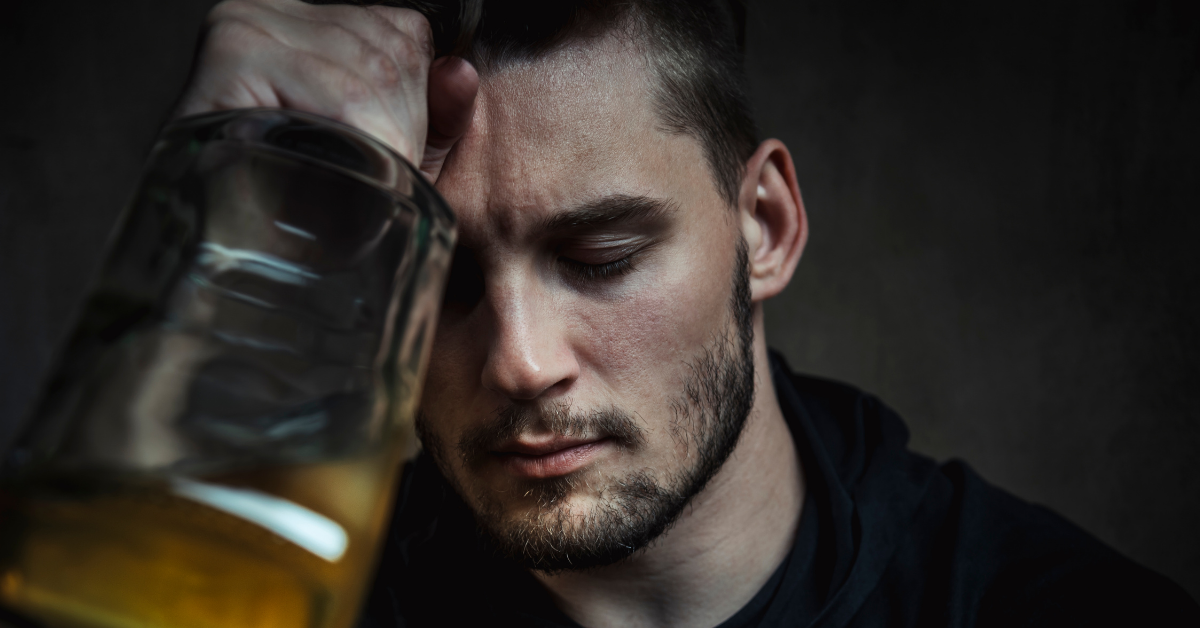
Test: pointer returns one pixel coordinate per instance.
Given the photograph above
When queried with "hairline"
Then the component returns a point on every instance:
(631, 30)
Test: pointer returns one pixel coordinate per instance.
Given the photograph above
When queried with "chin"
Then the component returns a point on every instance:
(577, 521)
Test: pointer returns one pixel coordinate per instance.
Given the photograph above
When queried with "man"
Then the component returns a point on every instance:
(608, 441)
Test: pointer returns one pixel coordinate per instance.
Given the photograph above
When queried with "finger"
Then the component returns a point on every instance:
(390, 48)
(411, 23)
(396, 31)
(453, 86)
(258, 55)
(269, 74)
(398, 75)
(387, 46)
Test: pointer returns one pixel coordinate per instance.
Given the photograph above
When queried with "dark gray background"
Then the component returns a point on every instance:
(1003, 200)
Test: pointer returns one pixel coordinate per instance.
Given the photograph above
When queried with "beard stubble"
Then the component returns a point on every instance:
(708, 417)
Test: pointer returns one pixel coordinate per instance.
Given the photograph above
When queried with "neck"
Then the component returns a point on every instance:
(721, 551)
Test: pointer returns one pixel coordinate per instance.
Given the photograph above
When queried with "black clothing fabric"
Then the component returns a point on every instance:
(887, 538)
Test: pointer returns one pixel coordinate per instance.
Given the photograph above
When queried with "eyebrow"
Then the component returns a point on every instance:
(613, 209)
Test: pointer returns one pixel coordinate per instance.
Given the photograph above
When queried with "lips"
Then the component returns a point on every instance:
(548, 458)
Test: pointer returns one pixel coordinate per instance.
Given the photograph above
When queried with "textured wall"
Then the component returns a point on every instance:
(1003, 198)
(84, 86)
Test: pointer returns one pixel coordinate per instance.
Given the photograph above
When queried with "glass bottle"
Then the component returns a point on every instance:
(219, 440)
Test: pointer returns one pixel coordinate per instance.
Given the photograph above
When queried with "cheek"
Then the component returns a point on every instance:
(638, 345)
(641, 342)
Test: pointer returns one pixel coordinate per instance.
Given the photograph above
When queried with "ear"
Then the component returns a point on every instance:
(773, 221)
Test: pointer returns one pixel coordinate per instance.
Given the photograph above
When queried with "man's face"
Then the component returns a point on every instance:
(591, 368)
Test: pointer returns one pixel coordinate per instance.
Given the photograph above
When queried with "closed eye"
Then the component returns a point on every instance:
(598, 272)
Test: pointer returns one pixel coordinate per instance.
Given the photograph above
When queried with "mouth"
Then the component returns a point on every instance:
(548, 459)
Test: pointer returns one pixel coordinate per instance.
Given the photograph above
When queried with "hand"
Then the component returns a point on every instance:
(370, 67)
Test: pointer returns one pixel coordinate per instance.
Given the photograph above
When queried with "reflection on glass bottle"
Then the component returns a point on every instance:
(218, 443)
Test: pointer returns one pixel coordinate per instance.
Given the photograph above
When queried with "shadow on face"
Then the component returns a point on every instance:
(594, 279)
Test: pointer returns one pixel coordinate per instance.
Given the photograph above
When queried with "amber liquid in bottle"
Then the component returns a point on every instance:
(284, 547)
(219, 441)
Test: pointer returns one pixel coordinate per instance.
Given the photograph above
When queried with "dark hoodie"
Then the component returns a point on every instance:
(887, 538)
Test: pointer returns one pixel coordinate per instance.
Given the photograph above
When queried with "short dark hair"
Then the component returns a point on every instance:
(696, 49)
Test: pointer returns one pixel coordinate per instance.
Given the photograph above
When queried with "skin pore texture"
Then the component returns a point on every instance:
(606, 261)
(598, 266)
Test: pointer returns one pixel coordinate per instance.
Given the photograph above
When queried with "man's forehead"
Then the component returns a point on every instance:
(558, 131)
(587, 80)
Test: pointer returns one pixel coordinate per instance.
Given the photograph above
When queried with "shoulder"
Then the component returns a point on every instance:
(974, 555)
(936, 544)
(1024, 565)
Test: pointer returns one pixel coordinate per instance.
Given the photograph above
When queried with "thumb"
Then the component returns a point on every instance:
(453, 84)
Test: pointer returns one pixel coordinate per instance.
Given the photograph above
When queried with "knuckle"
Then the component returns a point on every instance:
(416, 31)
(410, 54)
(415, 23)
(232, 34)
(222, 10)
(230, 10)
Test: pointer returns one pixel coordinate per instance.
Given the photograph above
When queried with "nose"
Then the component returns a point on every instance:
(529, 354)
